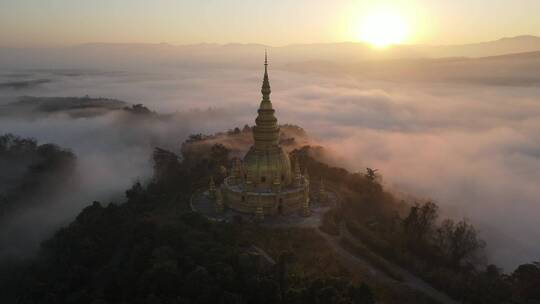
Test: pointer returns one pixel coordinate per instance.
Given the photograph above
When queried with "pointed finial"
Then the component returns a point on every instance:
(265, 90)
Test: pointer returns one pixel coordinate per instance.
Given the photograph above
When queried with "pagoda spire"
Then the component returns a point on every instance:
(266, 130)
(265, 90)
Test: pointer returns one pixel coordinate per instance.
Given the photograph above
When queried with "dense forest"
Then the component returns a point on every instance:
(31, 171)
(151, 248)
(447, 254)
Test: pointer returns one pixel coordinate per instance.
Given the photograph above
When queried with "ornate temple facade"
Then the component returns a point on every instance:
(265, 182)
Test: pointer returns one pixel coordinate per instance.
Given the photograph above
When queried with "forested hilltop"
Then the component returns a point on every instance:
(29, 171)
(74, 107)
(152, 248)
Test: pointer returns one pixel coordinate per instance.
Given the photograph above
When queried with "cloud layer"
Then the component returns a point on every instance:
(471, 146)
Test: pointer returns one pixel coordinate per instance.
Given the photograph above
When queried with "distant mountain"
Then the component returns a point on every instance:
(356, 51)
(519, 44)
(142, 56)
(519, 69)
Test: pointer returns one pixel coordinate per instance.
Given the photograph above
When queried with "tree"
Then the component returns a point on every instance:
(374, 187)
(526, 279)
(459, 243)
(371, 174)
(361, 294)
(282, 268)
(420, 222)
(220, 155)
(138, 109)
(166, 165)
(488, 287)
(136, 192)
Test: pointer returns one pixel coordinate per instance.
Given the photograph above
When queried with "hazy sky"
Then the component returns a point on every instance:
(273, 22)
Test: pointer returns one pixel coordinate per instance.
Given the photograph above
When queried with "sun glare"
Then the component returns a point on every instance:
(383, 28)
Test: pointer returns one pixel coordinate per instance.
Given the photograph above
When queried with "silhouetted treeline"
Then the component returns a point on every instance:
(153, 249)
(30, 171)
(139, 109)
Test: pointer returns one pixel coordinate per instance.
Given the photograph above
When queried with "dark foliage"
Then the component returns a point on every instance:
(73, 105)
(139, 109)
(447, 254)
(526, 279)
(153, 249)
(30, 170)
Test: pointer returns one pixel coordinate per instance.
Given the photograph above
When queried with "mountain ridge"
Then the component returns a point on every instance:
(141, 55)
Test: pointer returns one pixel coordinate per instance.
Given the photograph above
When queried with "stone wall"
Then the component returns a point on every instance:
(285, 202)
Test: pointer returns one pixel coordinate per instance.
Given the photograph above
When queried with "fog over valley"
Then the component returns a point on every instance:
(452, 124)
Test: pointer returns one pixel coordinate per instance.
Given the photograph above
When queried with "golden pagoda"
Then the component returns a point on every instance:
(265, 183)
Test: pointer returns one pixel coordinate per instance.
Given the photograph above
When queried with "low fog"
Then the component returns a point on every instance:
(462, 132)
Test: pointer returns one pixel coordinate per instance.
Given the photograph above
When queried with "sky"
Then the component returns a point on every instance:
(48, 23)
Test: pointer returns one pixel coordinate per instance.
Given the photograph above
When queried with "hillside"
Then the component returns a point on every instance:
(31, 172)
(151, 248)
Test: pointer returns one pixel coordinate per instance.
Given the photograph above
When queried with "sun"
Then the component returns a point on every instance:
(382, 28)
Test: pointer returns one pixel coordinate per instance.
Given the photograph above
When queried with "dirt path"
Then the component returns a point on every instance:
(353, 261)
(409, 279)
(363, 266)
